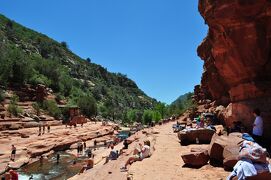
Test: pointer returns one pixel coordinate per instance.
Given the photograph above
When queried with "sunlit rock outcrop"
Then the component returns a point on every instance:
(236, 54)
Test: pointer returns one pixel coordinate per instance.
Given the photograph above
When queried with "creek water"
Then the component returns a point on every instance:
(50, 169)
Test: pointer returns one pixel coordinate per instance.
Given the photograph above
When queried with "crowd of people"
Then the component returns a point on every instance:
(251, 161)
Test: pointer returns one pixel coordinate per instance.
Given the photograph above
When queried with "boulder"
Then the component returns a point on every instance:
(229, 162)
(15, 126)
(261, 176)
(231, 150)
(24, 135)
(190, 137)
(198, 149)
(217, 146)
(196, 159)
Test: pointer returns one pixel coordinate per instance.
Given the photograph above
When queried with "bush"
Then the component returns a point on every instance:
(37, 107)
(156, 116)
(51, 107)
(147, 116)
(13, 107)
(40, 79)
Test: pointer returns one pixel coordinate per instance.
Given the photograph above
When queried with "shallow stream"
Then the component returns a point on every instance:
(50, 169)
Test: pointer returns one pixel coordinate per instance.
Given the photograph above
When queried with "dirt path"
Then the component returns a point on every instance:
(166, 162)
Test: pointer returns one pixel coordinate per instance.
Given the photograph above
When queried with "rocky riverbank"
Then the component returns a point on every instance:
(29, 145)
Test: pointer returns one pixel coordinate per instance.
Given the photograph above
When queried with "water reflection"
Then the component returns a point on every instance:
(46, 169)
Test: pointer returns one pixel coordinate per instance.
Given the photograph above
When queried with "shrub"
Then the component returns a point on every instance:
(147, 116)
(156, 116)
(40, 79)
(37, 108)
(13, 107)
(51, 107)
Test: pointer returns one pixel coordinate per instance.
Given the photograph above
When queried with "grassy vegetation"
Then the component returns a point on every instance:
(13, 107)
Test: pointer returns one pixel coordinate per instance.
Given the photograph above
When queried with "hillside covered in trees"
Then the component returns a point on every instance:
(29, 57)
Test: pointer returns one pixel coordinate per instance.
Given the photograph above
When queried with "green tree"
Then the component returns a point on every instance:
(131, 116)
(156, 116)
(87, 105)
(147, 116)
(161, 108)
(64, 44)
(51, 107)
(88, 60)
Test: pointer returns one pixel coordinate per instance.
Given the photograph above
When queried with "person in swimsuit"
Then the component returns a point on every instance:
(13, 152)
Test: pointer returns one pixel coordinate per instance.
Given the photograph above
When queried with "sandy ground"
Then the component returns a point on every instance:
(164, 164)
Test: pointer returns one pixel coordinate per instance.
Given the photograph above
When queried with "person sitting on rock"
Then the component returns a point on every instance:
(139, 154)
(89, 165)
(201, 123)
(48, 128)
(88, 152)
(125, 145)
(113, 155)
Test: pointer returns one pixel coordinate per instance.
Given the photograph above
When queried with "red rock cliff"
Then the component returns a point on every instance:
(237, 57)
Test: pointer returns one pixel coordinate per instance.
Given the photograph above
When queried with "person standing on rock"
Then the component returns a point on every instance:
(85, 145)
(43, 129)
(78, 148)
(257, 126)
(48, 128)
(39, 130)
(13, 152)
(57, 158)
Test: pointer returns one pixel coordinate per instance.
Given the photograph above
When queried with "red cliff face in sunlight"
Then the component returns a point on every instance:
(237, 57)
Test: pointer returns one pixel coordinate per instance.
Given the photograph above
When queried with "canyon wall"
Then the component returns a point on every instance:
(237, 58)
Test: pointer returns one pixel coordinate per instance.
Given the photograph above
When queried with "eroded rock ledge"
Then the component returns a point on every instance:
(237, 58)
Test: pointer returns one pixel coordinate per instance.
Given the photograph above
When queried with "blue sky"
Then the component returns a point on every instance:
(153, 42)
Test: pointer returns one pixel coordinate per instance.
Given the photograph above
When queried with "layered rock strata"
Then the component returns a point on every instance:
(237, 58)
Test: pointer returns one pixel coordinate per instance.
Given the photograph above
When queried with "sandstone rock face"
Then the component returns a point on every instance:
(237, 58)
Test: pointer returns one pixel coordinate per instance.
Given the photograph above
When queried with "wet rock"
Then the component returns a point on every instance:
(19, 163)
